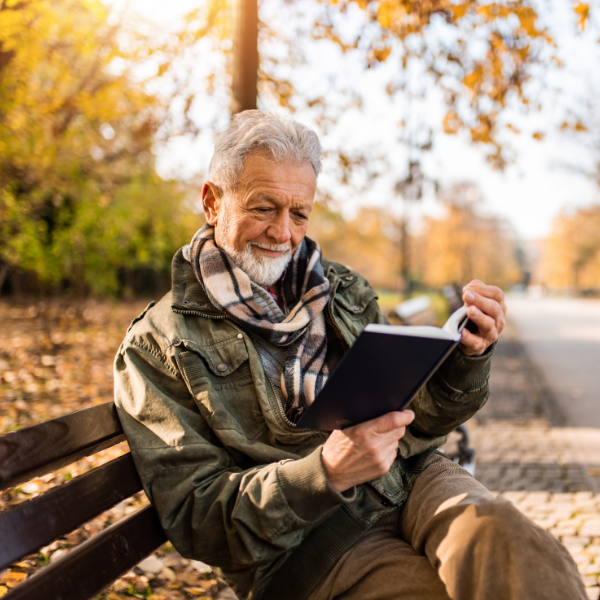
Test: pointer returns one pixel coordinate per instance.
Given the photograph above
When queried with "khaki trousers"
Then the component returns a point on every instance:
(454, 540)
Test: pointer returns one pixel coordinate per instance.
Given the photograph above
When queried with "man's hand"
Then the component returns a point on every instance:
(364, 452)
(486, 310)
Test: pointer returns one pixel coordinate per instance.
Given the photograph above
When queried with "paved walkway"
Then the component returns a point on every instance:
(550, 472)
(562, 335)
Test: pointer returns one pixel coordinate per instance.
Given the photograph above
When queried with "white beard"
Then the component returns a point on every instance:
(264, 270)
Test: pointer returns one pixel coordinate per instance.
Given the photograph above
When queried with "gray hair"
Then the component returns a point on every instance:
(256, 130)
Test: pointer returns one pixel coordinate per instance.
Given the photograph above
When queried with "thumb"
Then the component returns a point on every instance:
(393, 420)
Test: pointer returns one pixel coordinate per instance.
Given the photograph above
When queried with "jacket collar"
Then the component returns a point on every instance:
(188, 296)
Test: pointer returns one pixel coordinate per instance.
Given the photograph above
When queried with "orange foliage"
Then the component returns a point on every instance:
(455, 248)
(464, 245)
(511, 34)
(571, 253)
(368, 243)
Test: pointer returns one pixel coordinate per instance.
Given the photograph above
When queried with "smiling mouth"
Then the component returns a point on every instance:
(275, 252)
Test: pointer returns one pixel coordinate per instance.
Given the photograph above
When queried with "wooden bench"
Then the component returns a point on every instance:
(416, 311)
(91, 567)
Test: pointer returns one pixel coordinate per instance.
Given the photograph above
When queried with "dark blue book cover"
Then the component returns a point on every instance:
(382, 372)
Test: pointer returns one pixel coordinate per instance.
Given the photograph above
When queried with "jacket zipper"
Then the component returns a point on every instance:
(197, 313)
(277, 398)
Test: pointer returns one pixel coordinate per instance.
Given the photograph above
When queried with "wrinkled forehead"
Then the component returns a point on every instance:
(262, 174)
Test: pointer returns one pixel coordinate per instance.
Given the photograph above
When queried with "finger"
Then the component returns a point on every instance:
(489, 291)
(485, 323)
(391, 421)
(472, 345)
(389, 439)
(486, 305)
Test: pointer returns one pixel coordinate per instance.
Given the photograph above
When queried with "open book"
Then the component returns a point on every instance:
(382, 372)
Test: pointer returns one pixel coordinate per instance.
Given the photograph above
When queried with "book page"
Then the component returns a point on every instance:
(423, 331)
(456, 321)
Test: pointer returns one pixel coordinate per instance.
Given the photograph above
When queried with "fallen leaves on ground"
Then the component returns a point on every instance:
(56, 357)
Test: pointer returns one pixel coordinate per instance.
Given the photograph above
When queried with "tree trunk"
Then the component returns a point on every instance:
(245, 55)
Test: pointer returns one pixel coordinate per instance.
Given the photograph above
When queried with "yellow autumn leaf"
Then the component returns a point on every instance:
(384, 14)
(582, 10)
(381, 55)
(538, 135)
(451, 122)
(12, 578)
(513, 128)
(458, 11)
(493, 11)
(472, 79)
(527, 18)
(481, 134)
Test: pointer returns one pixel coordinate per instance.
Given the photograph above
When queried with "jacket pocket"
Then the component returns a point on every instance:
(220, 380)
(227, 361)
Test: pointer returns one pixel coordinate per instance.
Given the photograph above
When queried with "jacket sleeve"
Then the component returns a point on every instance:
(211, 508)
(457, 390)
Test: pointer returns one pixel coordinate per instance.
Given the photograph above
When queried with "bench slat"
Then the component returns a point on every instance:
(48, 446)
(39, 521)
(88, 569)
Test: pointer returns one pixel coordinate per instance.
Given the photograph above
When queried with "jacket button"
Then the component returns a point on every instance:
(349, 278)
(240, 336)
(222, 367)
(356, 308)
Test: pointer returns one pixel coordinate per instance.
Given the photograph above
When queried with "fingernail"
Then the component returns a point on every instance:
(412, 413)
(470, 296)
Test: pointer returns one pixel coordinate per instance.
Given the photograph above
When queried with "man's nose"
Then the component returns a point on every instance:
(279, 230)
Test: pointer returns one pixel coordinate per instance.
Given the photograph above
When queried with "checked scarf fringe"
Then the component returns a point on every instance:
(305, 292)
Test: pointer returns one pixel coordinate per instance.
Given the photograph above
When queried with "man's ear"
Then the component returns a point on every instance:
(211, 202)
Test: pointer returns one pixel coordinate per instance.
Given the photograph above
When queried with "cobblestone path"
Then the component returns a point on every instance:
(550, 472)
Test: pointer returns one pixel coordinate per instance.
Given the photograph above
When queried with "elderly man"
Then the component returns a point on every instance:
(210, 381)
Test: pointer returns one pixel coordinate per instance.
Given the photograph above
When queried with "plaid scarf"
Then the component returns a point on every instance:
(305, 292)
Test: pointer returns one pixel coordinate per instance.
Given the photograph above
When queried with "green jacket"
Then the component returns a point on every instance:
(234, 483)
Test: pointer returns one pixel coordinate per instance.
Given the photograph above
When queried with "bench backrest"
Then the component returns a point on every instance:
(89, 568)
(416, 311)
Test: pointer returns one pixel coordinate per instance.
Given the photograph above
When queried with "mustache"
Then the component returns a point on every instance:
(272, 247)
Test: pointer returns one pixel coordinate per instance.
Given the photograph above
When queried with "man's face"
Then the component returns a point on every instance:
(265, 220)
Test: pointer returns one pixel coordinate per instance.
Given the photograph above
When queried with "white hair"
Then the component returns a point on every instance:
(281, 139)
